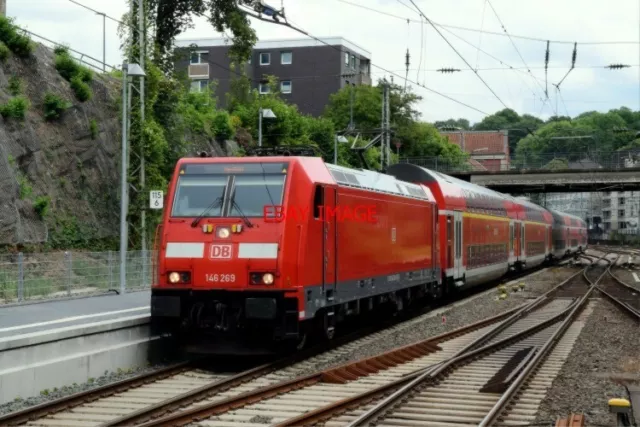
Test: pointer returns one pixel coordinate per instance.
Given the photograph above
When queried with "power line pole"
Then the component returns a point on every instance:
(388, 124)
(383, 123)
(3, 7)
(143, 218)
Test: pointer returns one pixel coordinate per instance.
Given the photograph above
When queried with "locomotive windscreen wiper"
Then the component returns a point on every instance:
(216, 203)
(242, 215)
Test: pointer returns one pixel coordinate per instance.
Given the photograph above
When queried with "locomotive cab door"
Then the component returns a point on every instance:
(330, 245)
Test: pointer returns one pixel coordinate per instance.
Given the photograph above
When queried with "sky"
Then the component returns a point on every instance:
(511, 67)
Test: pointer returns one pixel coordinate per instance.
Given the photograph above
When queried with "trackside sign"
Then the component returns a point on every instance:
(357, 213)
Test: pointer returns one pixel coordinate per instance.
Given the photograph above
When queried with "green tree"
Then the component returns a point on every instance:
(417, 138)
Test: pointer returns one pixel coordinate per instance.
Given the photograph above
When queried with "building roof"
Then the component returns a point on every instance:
(279, 43)
(480, 142)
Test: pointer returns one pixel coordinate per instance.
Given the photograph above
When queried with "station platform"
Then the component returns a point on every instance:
(19, 320)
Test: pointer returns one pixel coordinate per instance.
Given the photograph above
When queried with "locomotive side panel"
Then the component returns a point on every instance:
(393, 252)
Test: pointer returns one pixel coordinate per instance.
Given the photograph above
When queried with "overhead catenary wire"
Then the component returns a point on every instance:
(457, 27)
(301, 31)
(458, 53)
(513, 43)
(484, 7)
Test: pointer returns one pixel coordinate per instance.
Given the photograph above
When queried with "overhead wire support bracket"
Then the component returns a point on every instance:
(546, 68)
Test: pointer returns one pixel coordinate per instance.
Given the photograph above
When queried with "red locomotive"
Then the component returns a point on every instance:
(231, 270)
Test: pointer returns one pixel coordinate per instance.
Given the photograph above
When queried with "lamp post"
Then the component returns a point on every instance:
(133, 70)
(341, 139)
(267, 114)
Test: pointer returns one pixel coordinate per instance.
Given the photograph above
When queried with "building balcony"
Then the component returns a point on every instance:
(365, 80)
(197, 71)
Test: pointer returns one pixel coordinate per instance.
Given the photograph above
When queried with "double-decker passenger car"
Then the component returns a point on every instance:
(569, 234)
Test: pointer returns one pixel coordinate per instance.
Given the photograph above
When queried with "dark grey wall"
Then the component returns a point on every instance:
(315, 73)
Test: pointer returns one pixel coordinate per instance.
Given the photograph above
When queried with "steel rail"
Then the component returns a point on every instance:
(395, 356)
(628, 308)
(431, 375)
(541, 353)
(156, 410)
(54, 406)
(415, 377)
(431, 372)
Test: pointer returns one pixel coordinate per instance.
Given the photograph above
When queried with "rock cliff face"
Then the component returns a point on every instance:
(66, 161)
(59, 179)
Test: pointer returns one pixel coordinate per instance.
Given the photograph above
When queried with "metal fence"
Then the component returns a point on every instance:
(559, 161)
(44, 276)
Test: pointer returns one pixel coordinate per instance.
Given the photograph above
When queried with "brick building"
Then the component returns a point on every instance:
(489, 150)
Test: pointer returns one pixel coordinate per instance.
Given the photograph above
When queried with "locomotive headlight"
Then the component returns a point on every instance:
(223, 232)
(267, 278)
(174, 277)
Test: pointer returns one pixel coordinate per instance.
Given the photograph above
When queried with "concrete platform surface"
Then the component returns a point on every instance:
(30, 318)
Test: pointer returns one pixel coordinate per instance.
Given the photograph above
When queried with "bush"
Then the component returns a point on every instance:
(54, 106)
(61, 50)
(93, 128)
(41, 206)
(16, 108)
(67, 66)
(5, 52)
(15, 86)
(19, 44)
(75, 73)
(221, 124)
(81, 89)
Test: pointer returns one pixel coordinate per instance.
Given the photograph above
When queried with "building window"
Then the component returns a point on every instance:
(285, 86)
(286, 58)
(346, 58)
(353, 61)
(199, 85)
(265, 59)
(196, 58)
(620, 213)
(264, 88)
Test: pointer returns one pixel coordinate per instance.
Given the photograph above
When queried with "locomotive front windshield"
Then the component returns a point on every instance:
(228, 190)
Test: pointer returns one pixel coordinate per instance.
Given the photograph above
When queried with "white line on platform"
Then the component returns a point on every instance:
(71, 319)
(635, 276)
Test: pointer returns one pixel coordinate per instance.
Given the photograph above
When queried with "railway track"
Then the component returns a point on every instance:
(622, 294)
(154, 394)
(314, 398)
(176, 388)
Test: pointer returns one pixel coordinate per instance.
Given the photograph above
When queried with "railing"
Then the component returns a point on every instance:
(554, 162)
(44, 276)
(199, 71)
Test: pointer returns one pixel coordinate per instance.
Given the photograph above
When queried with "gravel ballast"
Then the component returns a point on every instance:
(473, 309)
(53, 394)
(607, 347)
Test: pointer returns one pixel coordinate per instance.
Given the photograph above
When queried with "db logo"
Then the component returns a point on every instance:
(221, 251)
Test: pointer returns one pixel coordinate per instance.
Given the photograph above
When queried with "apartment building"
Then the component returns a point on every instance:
(309, 71)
